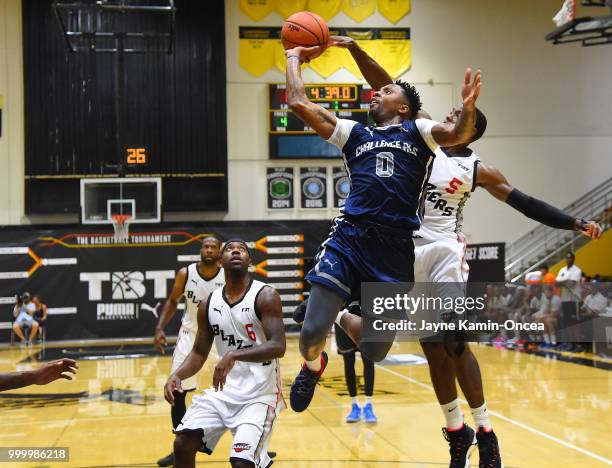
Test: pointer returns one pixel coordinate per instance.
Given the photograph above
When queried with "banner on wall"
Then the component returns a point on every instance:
(256, 9)
(97, 288)
(341, 184)
(313, 181)
(357, 10)
(280, 188)
(260, 49)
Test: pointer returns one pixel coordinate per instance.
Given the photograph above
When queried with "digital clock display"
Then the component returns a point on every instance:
(331, 93)
(291, 138)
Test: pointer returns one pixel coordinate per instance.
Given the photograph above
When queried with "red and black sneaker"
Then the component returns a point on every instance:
(488, 449)
(460, 442)
(303, 387)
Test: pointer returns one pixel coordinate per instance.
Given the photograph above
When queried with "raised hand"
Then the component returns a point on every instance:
(344, 42)
(471, 88)
(592, 229)
(304, 54)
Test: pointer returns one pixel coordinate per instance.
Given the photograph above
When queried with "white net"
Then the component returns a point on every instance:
(566, 13)
(121, 225)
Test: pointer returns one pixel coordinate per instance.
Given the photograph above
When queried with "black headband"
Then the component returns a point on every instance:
(241, 241)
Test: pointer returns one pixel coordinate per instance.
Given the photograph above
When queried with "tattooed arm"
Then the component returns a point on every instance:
(319, 119)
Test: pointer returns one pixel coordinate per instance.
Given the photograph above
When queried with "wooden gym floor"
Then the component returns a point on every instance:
(546, 412)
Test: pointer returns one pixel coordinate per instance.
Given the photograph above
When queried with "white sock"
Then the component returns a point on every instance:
(481, 417)
(453, 415)
(368, 400)
(553, 339)
(354, 400)
(315, 365)
(546, 338)
(339, 317)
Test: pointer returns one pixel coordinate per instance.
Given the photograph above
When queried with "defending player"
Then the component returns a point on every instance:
(244, 319)
(195, 283)
(388, 166)
(439, 257)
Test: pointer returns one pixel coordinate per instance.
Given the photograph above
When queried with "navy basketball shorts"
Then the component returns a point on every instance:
(359, 251)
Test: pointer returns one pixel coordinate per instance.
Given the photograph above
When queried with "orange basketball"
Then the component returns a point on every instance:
(305, 29)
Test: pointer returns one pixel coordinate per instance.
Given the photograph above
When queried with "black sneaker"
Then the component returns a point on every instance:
(271, 454)
(300, 312)
(303, 387)
(166, 461)
(460, 442)
(488, 449)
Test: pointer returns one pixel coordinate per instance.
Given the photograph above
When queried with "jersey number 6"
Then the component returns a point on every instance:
(250, 332)
(384, 164)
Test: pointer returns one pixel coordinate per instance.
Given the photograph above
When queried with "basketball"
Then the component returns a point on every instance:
(305, 29)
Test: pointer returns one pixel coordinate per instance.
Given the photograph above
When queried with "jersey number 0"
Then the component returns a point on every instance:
(384, 164)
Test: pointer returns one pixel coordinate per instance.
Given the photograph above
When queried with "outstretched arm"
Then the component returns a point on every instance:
(494, 182)
(270, 310)
(47, 373)
(319, 119)
(169, 309)
(374, 74)
(461, 132)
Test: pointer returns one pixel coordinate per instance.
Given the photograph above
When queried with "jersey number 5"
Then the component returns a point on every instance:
(384, 164)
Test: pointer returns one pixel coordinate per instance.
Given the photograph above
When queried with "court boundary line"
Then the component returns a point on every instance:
(508, 420)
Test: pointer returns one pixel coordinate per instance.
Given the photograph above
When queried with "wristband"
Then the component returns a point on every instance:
(293, 56)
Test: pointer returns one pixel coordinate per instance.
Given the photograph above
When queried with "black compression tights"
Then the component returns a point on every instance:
(351, 379)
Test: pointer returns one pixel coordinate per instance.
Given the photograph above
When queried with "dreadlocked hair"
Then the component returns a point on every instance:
(412, 95)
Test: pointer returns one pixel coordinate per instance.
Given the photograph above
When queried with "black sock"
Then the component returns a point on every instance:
(179, 409)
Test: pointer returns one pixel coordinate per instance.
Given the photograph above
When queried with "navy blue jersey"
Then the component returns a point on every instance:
(388, 168)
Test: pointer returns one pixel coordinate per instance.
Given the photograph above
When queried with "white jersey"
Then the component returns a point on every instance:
(197, 289)
(236, 326)
(452, 180)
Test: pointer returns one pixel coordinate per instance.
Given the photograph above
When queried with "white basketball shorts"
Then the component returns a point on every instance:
(440, 261)
(251, 425)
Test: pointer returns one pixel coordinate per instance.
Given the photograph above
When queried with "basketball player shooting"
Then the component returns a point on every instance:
(244, 319)
(194, 283)
(439, 257)
(372, 240)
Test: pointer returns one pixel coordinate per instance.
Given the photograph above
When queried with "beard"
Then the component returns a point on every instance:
(208, 261)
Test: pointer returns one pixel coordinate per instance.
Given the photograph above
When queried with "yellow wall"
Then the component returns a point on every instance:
(594, 258)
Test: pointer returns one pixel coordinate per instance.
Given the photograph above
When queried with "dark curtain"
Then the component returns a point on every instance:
(175, 106)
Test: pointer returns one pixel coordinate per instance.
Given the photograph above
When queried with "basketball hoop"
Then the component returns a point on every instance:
(121, 225)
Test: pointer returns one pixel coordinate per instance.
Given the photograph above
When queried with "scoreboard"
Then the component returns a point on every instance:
(289, 137)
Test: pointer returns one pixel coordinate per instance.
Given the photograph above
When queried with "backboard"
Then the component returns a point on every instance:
(140, 198)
